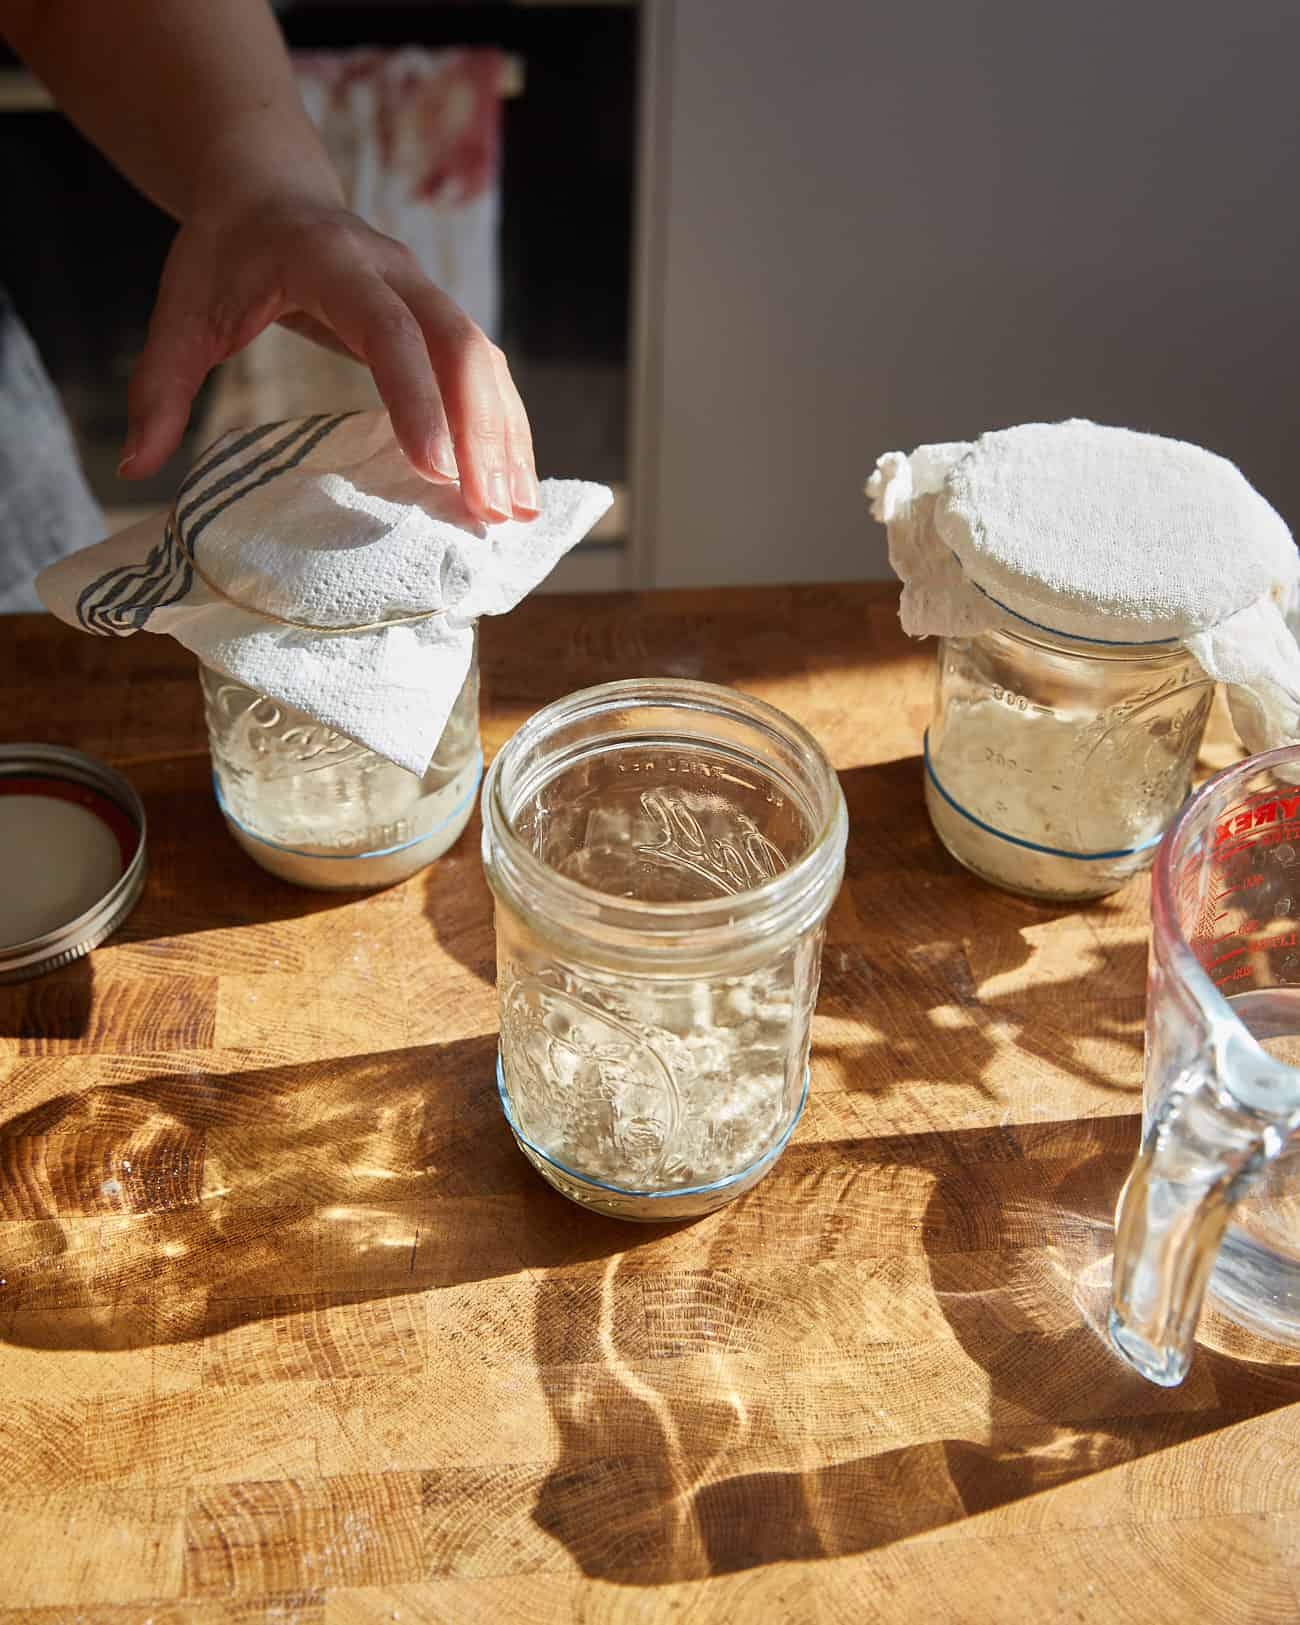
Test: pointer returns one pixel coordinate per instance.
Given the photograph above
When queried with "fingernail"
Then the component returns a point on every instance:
(523, 488)
(442, 458)
(129, 451)
(498, 494)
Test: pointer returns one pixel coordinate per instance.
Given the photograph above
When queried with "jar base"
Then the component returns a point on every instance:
(364, 871)
(648, 1207)
(1046, 895)
(1060, 878)
(371, 873)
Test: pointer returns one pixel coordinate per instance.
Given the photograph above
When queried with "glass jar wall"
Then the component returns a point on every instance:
(1054, 766)
(318, 809)
(663, 856)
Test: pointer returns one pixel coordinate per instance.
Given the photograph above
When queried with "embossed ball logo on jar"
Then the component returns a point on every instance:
(739, 858)
(281, 741)
(588, 1077)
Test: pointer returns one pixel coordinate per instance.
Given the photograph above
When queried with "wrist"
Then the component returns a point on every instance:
(256, 171)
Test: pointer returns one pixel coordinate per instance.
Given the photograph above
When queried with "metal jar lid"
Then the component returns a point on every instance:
(70, 776)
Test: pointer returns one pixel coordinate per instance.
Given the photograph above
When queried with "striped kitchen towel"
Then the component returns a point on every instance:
(308, 560)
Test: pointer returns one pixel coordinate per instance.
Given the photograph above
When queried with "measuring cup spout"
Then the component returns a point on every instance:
(1199, 1154)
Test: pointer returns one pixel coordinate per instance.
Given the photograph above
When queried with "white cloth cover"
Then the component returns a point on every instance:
(281, 533)
(1104, 534)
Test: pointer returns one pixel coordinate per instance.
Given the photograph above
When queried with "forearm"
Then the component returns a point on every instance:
(194, 100)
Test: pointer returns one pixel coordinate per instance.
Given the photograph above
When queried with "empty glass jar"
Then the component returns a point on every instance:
(1053, 765)
(318, 809)
(663, 856)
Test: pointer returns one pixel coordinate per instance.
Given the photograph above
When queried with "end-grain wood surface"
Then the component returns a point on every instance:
(289, 1330)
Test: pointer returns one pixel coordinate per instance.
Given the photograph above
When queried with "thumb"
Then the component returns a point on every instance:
(176, 358)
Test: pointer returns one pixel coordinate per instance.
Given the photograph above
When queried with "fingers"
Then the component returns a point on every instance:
(377, 326)
(177, 356)
(454, 407)
(307, 327)
(205, 311)
(494, 446)
(519, 442)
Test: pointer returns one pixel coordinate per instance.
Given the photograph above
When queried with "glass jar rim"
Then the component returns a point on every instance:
(764, 905)
(1100, 649)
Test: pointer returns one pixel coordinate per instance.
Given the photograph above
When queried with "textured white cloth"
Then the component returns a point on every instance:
(322, 523)
(1106, 534)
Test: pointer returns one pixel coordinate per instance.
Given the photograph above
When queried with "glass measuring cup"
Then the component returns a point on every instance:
(1213, 1199)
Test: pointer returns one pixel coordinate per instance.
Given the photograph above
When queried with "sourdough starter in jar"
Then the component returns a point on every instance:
(1053, 767)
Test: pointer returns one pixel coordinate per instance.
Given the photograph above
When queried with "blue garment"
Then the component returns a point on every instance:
(46, 509)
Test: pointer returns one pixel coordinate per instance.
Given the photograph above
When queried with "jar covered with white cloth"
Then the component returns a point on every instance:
(1088, 586)
(333, 597)
(319, 809)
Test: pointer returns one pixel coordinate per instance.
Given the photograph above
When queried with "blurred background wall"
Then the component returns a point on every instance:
(748, 245)
(884, 225)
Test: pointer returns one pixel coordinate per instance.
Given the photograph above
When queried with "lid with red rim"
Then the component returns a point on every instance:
(72, 856)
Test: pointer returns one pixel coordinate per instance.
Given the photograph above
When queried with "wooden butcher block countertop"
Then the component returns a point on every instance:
(290, 1330)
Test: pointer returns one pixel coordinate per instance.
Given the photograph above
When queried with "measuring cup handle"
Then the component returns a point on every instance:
(1199, 1155)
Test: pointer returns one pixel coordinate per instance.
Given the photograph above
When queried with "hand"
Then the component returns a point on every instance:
(322, 271)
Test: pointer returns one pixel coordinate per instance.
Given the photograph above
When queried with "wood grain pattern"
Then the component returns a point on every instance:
(288, 1329)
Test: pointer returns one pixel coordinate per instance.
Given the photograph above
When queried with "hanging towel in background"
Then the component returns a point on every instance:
(416, 138)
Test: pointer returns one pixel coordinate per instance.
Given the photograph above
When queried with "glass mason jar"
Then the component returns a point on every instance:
(1053, 765)
(663, 856)
(318, 809)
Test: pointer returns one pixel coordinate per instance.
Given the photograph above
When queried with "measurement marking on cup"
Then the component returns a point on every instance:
(1251, 945)
(1247, 931)
(1248, 944)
